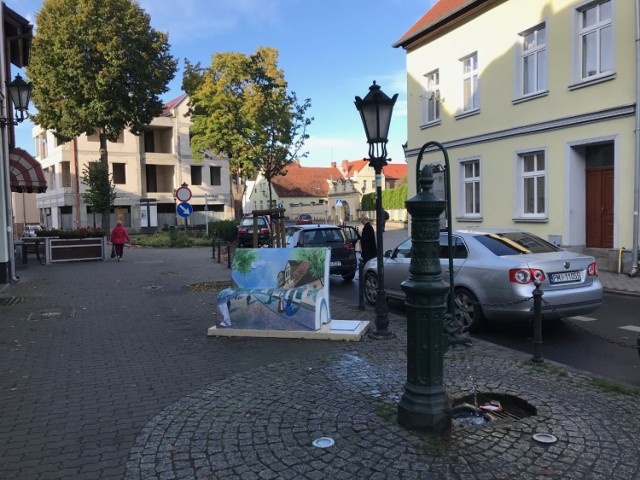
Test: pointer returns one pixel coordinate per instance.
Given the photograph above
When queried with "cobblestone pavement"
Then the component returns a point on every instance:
(106, 372)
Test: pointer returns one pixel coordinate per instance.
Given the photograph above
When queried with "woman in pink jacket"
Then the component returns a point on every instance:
(119, 237)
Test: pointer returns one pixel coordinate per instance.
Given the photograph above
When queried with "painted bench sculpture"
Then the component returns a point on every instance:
(277, 289)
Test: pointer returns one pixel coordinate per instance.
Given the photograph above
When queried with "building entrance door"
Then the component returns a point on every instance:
(600, 208)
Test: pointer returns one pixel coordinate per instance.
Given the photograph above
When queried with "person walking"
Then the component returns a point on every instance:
(119, 237)
(368, 240)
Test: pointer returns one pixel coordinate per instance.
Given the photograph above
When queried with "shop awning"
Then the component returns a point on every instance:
(25, 173)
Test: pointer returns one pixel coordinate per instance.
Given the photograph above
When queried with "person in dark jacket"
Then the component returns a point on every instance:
(368, 240)
(119, 237)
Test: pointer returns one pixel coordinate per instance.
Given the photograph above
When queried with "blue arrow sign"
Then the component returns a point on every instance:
(184, 209)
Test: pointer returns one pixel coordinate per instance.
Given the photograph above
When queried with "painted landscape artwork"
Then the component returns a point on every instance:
(277, 289)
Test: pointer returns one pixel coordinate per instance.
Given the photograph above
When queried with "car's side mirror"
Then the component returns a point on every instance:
(387, 253)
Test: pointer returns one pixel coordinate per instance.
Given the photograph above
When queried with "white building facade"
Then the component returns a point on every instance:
(146, 171)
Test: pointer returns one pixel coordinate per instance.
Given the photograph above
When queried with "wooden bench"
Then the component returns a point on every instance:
(277, 289)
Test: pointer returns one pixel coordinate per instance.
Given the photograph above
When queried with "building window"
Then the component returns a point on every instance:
(216, 179)
(470, 83)
(196, 175)
(41, 145)
(65, 174)
(119, 173)
(431, 98)
(595, 31)
(470, 188)
(533, 61)
(533, 184)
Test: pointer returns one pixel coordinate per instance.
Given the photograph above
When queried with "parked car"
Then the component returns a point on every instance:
(343, 253)
(494, 274)
(245, 231)
(31, 230)
(304, 219)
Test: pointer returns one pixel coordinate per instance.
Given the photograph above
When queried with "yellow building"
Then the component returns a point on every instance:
(146, 171)
(536, 103)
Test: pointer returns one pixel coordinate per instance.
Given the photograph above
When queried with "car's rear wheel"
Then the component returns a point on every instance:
(371, 287)
(349, 277)
(468, 310)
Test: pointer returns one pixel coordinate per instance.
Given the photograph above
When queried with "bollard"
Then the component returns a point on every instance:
(537, 323)
(361, 283)
(219, 250)
(213, 247)
(228, 255)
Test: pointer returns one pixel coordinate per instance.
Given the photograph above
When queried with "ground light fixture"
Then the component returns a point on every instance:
(375, 110)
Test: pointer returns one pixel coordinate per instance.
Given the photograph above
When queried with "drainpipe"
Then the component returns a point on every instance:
(76, 167)
(636, 176)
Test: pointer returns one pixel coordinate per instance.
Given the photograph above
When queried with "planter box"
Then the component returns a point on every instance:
(75, 249)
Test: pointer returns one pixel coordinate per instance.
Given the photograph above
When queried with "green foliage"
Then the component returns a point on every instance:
(240, 108)
(392, 199)
(100, 193)
(84, 232)
(242, 260)
(315, 258)
(97, 65)
(224, 230)
(163, 240)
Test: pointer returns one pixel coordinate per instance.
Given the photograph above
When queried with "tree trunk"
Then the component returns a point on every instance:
(238, 187)
(104, 159)
(270, 193)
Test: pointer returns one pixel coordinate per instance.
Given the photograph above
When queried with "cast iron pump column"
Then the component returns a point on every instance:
(425, 404)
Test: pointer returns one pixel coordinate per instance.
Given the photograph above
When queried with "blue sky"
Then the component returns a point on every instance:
(330, 51)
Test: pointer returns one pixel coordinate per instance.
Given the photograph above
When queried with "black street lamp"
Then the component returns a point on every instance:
(375, 110)
(20, 94)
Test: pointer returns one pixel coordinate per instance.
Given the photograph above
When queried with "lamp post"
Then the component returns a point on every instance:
(19, 95)
(375, 111)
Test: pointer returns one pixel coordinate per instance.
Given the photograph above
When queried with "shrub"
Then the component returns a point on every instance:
(84, 232)
(225, 230)
(173, 238)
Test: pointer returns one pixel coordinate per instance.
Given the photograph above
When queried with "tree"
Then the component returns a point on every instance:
(316, 260)
(97, 67)
(241, 109)
(100, 193)
(242, 260)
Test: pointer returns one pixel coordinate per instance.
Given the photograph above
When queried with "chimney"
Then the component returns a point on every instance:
(345, 166)
(334, 165)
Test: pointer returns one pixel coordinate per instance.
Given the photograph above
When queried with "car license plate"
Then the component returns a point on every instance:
(336, 264)
(564, 277)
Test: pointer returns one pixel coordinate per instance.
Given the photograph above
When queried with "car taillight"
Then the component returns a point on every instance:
(592, 270)
(243, 231)
(264, 230)
(525, 275)
(348, 246)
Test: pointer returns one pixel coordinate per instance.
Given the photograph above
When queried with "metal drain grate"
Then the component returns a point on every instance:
(9, 301)
(513, 408)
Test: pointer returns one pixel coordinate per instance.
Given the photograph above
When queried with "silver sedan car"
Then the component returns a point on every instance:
(494, 274)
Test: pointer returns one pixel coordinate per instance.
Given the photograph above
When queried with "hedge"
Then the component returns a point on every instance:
(392, 199)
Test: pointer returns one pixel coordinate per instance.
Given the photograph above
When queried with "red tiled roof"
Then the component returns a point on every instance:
(170, 105)
(305, 181)
(395, 171)
(355, 167)
(441, 10)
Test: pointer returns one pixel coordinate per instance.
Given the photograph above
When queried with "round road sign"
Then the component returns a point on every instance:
(184, 209)
(183, 194)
